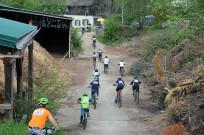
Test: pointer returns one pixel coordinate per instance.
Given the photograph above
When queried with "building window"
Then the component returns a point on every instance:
(77, 23)
(85, 22)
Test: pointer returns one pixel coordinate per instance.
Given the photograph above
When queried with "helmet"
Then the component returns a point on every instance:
(106, 56)
(96, 70)
(43, 101)
(85, 94)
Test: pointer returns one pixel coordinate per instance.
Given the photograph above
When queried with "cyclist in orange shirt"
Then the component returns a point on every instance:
(40, 117)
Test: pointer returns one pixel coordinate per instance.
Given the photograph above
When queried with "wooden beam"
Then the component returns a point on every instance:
(30, 73)
(19, 70)
(9, 71)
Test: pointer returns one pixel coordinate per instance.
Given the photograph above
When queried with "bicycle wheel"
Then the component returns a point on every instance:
(135, 96)
(119, 100)
(94, 65)
(122, 72)
(94, 103)
(100, 59)
(137, 99)
(106, 70)
(84, 122)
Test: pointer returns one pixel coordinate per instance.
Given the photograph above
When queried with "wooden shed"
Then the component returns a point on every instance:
(15, 37)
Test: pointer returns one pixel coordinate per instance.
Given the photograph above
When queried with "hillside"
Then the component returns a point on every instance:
(174, 81)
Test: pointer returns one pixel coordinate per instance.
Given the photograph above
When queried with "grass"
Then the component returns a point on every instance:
(12, 128)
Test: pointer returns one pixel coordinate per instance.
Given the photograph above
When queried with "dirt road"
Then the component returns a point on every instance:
(107, 118)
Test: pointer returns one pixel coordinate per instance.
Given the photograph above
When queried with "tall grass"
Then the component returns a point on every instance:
(12, 128)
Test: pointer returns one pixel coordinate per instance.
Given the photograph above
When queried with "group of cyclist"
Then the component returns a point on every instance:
(41, 114)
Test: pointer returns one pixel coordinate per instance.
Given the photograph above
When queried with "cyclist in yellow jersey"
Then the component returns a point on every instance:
(40, 117)
(85, 103)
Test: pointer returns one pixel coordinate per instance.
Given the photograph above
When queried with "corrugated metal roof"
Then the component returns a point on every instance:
(12, 31)
(12, 9)
(72, 3)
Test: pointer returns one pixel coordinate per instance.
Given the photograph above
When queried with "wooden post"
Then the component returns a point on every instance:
(30, 73)
(19, 70)
(9, 71)
(69, 40)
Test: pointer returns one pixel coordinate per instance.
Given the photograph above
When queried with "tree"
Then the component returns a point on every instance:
(49, 6)
(134, 10)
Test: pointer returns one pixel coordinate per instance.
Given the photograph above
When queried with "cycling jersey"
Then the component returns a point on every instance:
(135, 84)
(96, 74)
(94, 57)
(120, 82)
(106, 61)
(100, 52)
(39, 118)
(122, 64)
(95, 85)
(85, 102)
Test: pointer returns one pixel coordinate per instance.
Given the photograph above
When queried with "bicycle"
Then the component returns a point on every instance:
(100, 58)
(46, 130)
(122, 70)
(136, 96)
(106, 70)
(84, 119)
(94, 99)
(94, 44)
(94, 64)
(119, 98)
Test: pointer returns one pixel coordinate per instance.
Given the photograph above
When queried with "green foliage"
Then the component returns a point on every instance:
(111, 30)
(160, 9)
(48, 6)
(115, 33)
(76, 39)
(12, 128)
(167, 39)
(52, 85)
(133, 10)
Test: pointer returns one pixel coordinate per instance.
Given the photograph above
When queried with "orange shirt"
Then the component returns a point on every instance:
(39, 118)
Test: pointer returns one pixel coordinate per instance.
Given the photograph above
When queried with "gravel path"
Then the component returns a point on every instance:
(107, 118)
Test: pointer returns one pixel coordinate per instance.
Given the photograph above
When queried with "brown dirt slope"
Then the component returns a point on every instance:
(42, 62)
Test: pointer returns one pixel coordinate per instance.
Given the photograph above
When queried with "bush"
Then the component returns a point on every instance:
(76, 39)
(140, 68)
(111, 31)
(51, 85)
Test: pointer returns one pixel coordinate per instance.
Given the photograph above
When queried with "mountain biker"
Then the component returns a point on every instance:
(122, 64)
(94, 56)
(106, 61)
(120, 85)
(94, 40)
(99, 53)
(85, 102)
(135, 84)
(94, 85)
(83, 28)
(40, 117)
(96, 74)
